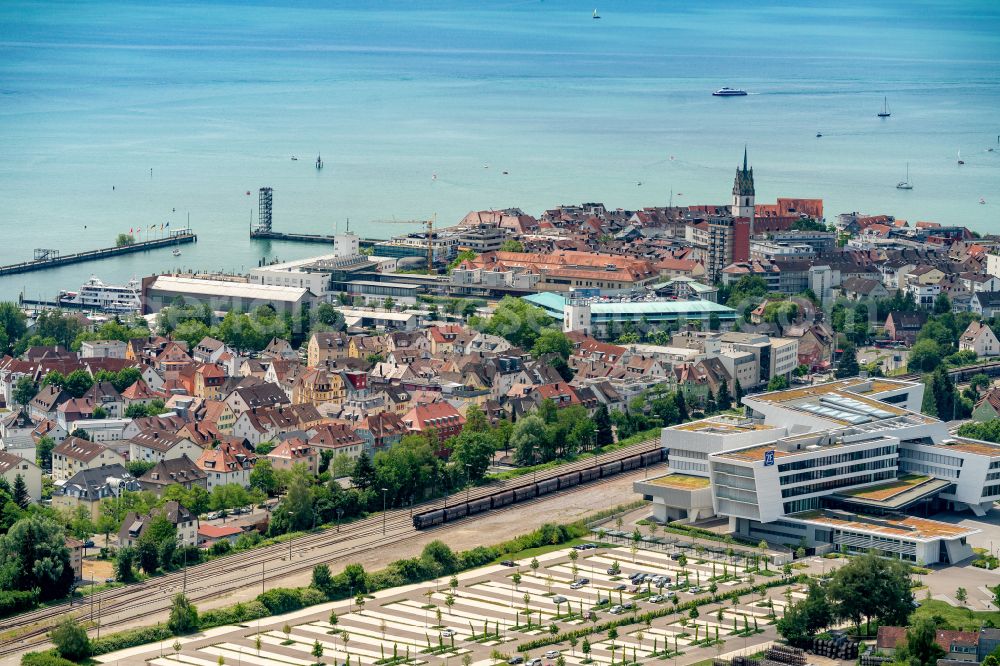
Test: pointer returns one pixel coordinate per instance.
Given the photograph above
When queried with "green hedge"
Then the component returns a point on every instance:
(240, 612)
(130, 638)
(15, 601)
(44, 659)
(287, 599)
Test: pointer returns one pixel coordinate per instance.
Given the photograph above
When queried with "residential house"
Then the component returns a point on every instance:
(73, 410)
(957, 645)
(326, 346)
(443, 418)
(227, 463)
(278, 348)
(337, 438)
(185, 522)
(107, 397)
(988, 407)
(46, 402)
(89, 487)
(13, 466)
(257, 396)
(74, 455)
(986, 304)
(380, 431)
(294, 451)
(979, 339)
(317, 385)
(75, 548)
(140, 393)
(208, 381)
(102, 349)
(209, 350)
(904, 326)
(209, 535)
(858, 289)
(265, 424)
(157, 445)
(181, 472)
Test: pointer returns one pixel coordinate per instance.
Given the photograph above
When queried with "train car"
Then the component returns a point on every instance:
(567, 480)
(428, 518)
(502, 498)
(610, 468)
(525, 492)
(632, 462)
(457, 511)
(547, 486)
(590, 474)
(479, 505)
(652, 457)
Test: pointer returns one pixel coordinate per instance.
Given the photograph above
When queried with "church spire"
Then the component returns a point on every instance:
(744, 158)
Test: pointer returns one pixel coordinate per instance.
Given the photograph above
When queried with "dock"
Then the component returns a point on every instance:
(306, 238)
(50, 258)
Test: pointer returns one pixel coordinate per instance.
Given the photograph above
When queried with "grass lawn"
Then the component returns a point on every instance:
(956, 616)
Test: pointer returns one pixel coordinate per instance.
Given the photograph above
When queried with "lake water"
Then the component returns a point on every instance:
(116, 115)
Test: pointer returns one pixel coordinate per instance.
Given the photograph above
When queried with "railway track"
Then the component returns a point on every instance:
(201, 582)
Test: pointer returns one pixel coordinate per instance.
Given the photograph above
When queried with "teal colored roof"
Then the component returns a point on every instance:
(553, 303)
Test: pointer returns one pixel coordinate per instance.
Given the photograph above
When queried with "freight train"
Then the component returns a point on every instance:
(507, 496)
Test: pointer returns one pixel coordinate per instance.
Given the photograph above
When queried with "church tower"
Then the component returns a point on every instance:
(743, 194)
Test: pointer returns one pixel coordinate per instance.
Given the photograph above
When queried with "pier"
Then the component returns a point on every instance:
(260, 234)
(51, 258)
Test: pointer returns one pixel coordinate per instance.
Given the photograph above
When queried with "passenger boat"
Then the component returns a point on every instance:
(95, 295)
(729, 92)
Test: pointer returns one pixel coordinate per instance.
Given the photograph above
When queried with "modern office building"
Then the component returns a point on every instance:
(849, 465)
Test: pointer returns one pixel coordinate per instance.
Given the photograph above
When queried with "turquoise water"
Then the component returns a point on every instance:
(216, 97)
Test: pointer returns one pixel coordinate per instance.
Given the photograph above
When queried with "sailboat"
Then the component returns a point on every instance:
(596, 15)
(885, 113)
(905, 183)
(319, 162)
(960, 160)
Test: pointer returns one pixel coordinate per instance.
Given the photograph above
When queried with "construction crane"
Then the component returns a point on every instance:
(430, 235)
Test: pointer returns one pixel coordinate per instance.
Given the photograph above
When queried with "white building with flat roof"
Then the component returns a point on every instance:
(845, 465)
(222, 295)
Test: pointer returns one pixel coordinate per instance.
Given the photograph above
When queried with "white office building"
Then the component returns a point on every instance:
(849, 465)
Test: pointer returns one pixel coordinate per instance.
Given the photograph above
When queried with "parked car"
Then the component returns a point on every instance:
(213, 515)
(447, 633)
(515, 660)
(552, 654)
(616, 610)
(585, 581)
(656, 598)
(559, 599)
(694, 589)
(577, 585)
(508, 563)
(620, 587)
(89, 543)
(535, 662)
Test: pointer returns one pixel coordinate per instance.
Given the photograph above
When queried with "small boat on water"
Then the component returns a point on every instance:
(176, 252)
(319, 162)
(885, 113)
(960, 160)
(819, 134)
(294, 158)
(905, 183)
(982, 201)
(596, 15)
(729, 92)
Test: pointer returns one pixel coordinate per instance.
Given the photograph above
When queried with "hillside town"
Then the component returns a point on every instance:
(233, 410)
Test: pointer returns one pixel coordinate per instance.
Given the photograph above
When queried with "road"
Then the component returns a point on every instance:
(243, 575)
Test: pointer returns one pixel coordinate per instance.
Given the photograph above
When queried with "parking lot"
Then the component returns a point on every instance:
(482, 617)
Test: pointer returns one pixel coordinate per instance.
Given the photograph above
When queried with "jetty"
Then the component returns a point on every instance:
(49, 258)
(261, 234)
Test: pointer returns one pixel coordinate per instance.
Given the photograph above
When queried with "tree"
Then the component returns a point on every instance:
(124, 563)
(738, 392)
(13, 323)
(777, 383)
(942, 304)
(364, 472)
(71, 640)
(124, 239)
(961, 595)
(20, 492)
(870, 587)
(472, 452)
(24, 390)
(33, 554)
(263, 478)
(723, 399)
(528, 437)
(511, 245)
(848, 365)
(921, 648)
(602, 422)
(552, 341)
(183, 616)
(43, 452)
(317, 651)
(78, 382)
(148, 554)
(925, 355)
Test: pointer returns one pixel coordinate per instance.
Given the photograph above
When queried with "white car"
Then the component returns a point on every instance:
(552, 654)
(447, 633)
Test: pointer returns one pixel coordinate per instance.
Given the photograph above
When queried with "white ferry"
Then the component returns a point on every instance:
(95, 295)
